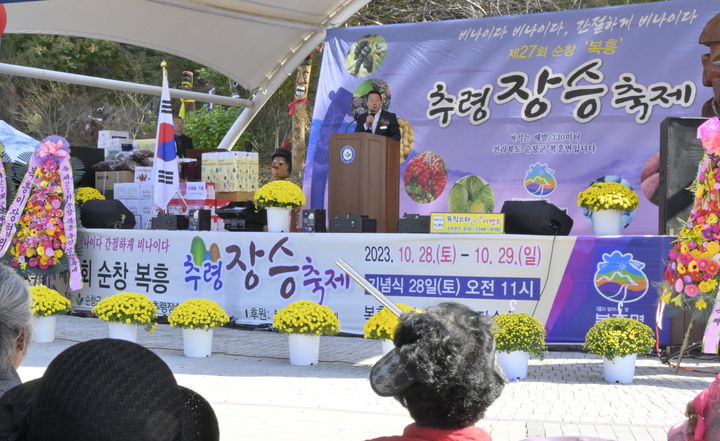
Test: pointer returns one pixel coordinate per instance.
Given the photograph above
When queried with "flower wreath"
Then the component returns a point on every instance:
(39, 228)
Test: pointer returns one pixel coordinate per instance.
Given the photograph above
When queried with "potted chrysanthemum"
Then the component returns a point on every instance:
(619, 340)
(304, 322)
(517, 336)
(84, 194)
(607, 201)
(124, 311)
(197, 318)
(279, 198)
(382, 325)
(47, 304)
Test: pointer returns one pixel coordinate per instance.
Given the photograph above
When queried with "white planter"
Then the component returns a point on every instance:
(197, 343)
(304, 349)
(607, 222)
(43, 329)
(123, 331)
(387, 346)
(278, 219)
(514, 364)
(620, 369)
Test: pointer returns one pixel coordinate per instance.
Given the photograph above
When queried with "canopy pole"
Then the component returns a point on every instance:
(273, 83)
(123, 86)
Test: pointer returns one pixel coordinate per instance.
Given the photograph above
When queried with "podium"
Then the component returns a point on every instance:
(364, 178)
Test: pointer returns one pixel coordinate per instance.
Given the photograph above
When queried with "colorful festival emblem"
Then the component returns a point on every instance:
(540, 180)
(620, 279)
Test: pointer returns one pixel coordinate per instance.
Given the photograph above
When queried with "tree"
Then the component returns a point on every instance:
(407, 11)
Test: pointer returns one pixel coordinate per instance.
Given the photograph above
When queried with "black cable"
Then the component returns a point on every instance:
(555, 228)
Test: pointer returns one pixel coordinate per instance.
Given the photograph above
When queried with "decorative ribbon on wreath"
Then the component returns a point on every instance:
(57, 148)
(3, 186)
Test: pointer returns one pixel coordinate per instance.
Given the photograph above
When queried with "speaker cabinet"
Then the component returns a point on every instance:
(536, 217)
(680, 154)
(106, 214)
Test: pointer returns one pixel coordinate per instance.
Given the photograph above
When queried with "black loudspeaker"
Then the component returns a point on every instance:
(414, 223)
(680, 154)
(89, 156)
(536, 217)
(199, 220)
(169, 222)
(352, 223)
(313, 221)
(106, 214)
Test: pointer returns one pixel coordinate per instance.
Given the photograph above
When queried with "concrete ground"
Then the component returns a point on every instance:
(257, 395)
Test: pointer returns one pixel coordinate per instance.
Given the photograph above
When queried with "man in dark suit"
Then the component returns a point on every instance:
(182, 141)
(377, 120)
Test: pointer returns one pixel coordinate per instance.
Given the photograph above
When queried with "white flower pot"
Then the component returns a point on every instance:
(43, 329)
(387, 346)
(278, 219)
(620, 369)
(123, 331)
(304, 349)
(197, 343)
(607, 222)
(514, 364)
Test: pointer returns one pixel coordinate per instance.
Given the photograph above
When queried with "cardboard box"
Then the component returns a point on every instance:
(231, 171)
(126, 190)
(115, 146)
(143, 175)
(105, 181)
(234, 196)
(217, 223)
(146, 207)
(146, 191)
(145, 144)
(106, 135)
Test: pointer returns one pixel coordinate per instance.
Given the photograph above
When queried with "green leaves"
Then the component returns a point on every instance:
(207, 129)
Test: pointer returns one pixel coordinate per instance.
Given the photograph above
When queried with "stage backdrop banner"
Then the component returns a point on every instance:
(568, 283)
(528, 106)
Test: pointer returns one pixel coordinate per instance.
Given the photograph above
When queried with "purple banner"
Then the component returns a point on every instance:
(607, 277)
(532, 106)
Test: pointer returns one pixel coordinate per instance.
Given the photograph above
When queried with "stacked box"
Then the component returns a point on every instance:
(105, 181)
(114, 142)
(144, 144)
(138, 198)
(231, 171)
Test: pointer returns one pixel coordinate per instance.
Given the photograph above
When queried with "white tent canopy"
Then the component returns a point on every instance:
(258, 43)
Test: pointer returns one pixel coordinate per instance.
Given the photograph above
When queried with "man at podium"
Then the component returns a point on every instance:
(376, 120)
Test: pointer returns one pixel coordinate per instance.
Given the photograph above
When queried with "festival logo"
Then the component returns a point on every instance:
(620, 278)
(347, 154)
(540, 180)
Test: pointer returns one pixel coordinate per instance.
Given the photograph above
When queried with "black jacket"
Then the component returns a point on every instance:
(387, 125)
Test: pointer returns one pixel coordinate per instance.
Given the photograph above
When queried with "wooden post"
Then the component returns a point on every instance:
(300, 117)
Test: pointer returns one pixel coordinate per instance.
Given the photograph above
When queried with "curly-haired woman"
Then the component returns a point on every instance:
(443, 371)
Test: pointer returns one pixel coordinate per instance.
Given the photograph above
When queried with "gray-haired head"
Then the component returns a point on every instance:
(15, 314)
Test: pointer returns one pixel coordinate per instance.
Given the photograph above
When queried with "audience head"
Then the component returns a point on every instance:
(443, 367)
(107, 390)
(15, 318)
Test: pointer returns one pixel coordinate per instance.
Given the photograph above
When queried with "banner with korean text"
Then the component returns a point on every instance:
(568, 283)
(532, 106)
